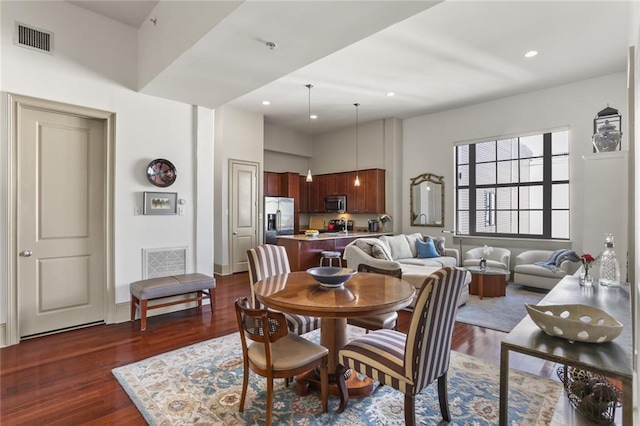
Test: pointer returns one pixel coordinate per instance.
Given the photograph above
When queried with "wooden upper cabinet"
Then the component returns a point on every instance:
(369, 197)
(272, 184)
(330, 184)
(351, 193)
(374, 190)
(303, 194)
(317, 194)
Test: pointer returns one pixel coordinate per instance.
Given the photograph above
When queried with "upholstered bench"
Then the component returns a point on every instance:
(176, 285)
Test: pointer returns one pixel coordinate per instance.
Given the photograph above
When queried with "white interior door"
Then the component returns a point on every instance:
(60, 221)
(244, 212)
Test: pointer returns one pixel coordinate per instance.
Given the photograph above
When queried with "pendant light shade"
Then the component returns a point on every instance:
(357, 181)
(309, 176)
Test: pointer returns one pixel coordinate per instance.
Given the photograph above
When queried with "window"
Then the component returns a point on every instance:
(514, 187)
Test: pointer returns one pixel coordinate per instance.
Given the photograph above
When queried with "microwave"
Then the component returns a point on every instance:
(335, 204)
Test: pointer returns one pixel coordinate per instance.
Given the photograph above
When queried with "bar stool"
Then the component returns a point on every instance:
(330, 255)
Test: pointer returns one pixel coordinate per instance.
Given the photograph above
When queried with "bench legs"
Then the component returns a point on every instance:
(200, 295)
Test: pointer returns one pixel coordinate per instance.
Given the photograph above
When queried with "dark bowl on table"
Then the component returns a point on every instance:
(330, 276)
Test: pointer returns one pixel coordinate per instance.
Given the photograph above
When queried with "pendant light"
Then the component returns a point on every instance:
(357, 181)
(309, 177)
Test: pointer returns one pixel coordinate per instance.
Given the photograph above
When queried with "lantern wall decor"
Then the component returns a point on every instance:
(607, 130)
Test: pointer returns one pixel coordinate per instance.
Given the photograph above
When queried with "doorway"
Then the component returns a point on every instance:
(60, 215)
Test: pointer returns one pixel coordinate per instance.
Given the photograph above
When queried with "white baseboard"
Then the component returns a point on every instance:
(3, 335)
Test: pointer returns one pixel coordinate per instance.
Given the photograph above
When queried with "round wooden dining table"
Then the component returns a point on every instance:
(364, 294)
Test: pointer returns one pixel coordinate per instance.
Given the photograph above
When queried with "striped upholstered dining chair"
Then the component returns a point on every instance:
(411, 362)
(266, 261)
(381, 321)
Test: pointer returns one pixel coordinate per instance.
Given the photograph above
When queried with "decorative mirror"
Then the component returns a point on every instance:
(427, 200)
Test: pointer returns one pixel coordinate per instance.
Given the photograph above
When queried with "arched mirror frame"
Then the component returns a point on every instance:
(416, 182)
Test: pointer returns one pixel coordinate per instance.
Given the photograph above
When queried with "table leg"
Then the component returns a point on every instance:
(333, 336)
(627, 402)
(504, 384)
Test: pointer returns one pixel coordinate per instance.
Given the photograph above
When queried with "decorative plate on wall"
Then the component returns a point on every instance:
(161, 172)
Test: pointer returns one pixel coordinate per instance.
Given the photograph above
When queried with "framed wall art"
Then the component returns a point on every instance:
(160, 203)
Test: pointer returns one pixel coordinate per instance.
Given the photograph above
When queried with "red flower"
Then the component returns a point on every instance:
(587, 260)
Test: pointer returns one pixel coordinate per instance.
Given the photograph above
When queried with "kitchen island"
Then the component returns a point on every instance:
(304, 252)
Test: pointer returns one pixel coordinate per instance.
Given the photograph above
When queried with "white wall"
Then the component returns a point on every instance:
(285, 150)
(94, 65)
(239, 135)
(429, 140)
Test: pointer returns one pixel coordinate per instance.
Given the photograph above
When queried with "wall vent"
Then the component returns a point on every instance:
(33, 38)
(164, 262)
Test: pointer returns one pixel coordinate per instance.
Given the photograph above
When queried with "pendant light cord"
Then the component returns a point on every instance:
(309, 176)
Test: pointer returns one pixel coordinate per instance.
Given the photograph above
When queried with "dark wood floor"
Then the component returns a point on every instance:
(66, 378)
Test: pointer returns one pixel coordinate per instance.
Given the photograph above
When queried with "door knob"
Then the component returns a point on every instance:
(26, 253)
(235, 232)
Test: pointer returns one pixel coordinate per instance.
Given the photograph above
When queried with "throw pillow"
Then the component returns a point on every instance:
(426, 249)
(438, 242)
(378, 252)
(398, 245)
(364, 246)
(411, 239)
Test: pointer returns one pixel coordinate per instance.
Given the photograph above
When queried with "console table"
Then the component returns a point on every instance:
(612, 359)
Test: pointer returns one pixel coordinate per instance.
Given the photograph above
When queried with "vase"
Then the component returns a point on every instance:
(585, 279)
(483, 264)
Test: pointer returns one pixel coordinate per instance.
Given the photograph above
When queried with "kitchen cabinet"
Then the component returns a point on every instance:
(317, 194)
(303, 194)
(369, 197)
(374, 191)
(272, 186)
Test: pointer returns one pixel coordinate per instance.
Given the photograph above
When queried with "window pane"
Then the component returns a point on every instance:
(507, 172)
(560, 224)
(531, 170)
(560, 142)
(463, 199)
(506, 222)
(560, 168)
(485, 151)
(507, 149)
(506, 198)
(560, 196)
(463, 222)
(483, 221)
(463, 175)
(486, 174)
(531, 197)
(531, 146)
(463, 154)
(531, 222)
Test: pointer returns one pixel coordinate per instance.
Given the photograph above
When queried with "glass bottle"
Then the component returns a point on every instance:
(609, 266)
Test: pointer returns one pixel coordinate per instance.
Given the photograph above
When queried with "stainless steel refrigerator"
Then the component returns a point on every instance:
(278, 218)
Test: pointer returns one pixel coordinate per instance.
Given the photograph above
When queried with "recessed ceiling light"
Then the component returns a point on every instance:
(266, 103)
(531, 54)
(313, 117)
(390, 94)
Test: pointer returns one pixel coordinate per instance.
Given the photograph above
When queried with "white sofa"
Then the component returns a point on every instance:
(527, 273)
(399, 251)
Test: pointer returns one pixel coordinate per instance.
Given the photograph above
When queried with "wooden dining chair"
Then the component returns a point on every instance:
(266, 261)
(410, 362)
(381, 321)
(275, 352)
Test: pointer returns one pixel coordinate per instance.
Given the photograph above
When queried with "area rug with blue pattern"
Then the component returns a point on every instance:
(201, 384)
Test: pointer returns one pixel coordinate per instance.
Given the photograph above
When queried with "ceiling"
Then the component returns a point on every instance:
(433, 56)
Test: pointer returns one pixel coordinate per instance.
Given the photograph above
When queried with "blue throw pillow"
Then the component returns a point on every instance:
(426, 249)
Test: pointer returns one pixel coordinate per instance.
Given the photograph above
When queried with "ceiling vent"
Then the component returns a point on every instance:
(33, 38)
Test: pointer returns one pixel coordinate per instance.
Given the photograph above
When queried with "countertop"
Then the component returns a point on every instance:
(333, 235)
